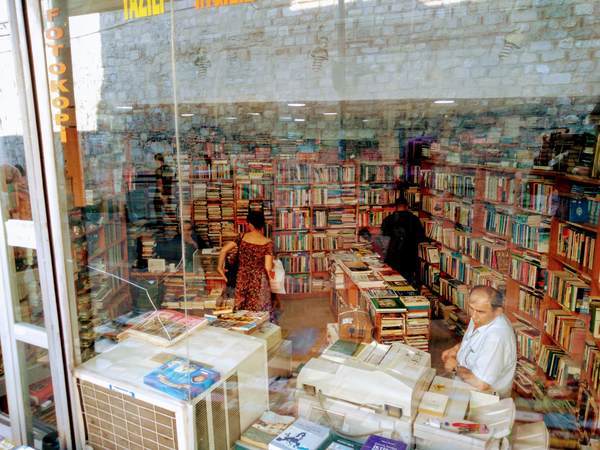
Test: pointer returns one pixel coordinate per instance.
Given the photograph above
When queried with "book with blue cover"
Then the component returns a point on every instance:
(182, 378)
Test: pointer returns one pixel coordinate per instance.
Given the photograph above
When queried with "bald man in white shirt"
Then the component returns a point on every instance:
(487, 356)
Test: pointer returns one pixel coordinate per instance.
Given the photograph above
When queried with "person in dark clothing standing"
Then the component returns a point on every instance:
(405, 232)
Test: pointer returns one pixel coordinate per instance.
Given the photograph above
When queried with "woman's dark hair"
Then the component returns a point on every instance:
(257, 219)
(159, 157)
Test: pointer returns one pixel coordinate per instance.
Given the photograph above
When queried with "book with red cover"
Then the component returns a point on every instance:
(41, 391)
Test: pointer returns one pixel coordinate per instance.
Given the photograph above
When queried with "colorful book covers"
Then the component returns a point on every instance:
(182, 378)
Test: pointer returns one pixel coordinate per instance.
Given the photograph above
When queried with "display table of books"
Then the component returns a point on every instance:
(172, 396)
(398, 313)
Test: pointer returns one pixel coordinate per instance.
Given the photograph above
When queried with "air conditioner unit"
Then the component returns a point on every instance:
(120, 412)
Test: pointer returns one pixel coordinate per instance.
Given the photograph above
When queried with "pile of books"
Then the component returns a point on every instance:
(240, 321)
(417, 321)
(164, 327)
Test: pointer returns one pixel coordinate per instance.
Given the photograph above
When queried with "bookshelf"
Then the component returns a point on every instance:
(311, 208)
(320, 207)
(99, 241)
(532, 232)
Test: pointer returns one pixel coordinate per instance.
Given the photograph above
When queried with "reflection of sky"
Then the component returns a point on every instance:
(88, 72)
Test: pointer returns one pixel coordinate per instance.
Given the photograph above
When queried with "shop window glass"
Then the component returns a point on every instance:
(456, 142)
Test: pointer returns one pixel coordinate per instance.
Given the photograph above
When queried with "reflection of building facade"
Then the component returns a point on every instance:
(326, 117)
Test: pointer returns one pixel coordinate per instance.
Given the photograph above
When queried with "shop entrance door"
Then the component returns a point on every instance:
(33, 396)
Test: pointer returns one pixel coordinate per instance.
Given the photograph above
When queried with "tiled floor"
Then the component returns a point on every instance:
(304, 322)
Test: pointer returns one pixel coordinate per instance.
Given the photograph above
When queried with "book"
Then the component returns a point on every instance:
(302, 434)
(375, 442)
(387, 305)
(242, 321)
(433, 403)
(342, 443)
(340, 350)
(164, 327)
(182, 378)
(41, 391)
(265, 429)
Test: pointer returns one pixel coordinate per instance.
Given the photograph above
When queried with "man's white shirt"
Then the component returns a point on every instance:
(490, 353)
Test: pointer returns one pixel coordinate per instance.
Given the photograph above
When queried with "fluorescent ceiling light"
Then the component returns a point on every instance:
(231, 118)
(254, 114)
(444, 102)
(330, 114)
(296, 104)
(298, 120)
(125, 108)
(285, 118)
(187, 115)
(365, 120)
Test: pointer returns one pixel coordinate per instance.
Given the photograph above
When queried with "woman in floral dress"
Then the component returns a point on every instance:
(255, 256)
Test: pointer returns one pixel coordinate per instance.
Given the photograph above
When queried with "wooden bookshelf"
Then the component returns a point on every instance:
(523, 181)
(344, 180)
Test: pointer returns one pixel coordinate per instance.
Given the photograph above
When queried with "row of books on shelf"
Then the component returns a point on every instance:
(530, 302)
(461, 268)
(297, 283)
(591, 364)
(458, 212)
(253, 191)
(326, 196)
(557, 365)
(373, 216)
(531, 232)
(319, 241)
(298, 172)
(304, 263)
(528, 340)
(499, 188)
(461, 185)
(539, 196)
(576, 245)
(497, 221)
(529, 270)
(569, 291)
(567, 330)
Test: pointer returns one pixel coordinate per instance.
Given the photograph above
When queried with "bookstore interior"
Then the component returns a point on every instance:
(268, 225)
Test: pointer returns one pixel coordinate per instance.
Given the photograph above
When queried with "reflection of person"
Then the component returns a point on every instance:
(487, 356)
(13, 183)
(255, 256)
(405, 232)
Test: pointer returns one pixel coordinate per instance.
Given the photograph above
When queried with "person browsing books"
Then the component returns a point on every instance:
(255, 260)
(487, 356)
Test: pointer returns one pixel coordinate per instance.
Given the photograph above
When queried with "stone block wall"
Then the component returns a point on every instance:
(286, 50)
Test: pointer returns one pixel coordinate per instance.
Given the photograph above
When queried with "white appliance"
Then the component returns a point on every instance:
(393, 388)
(120, 411)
